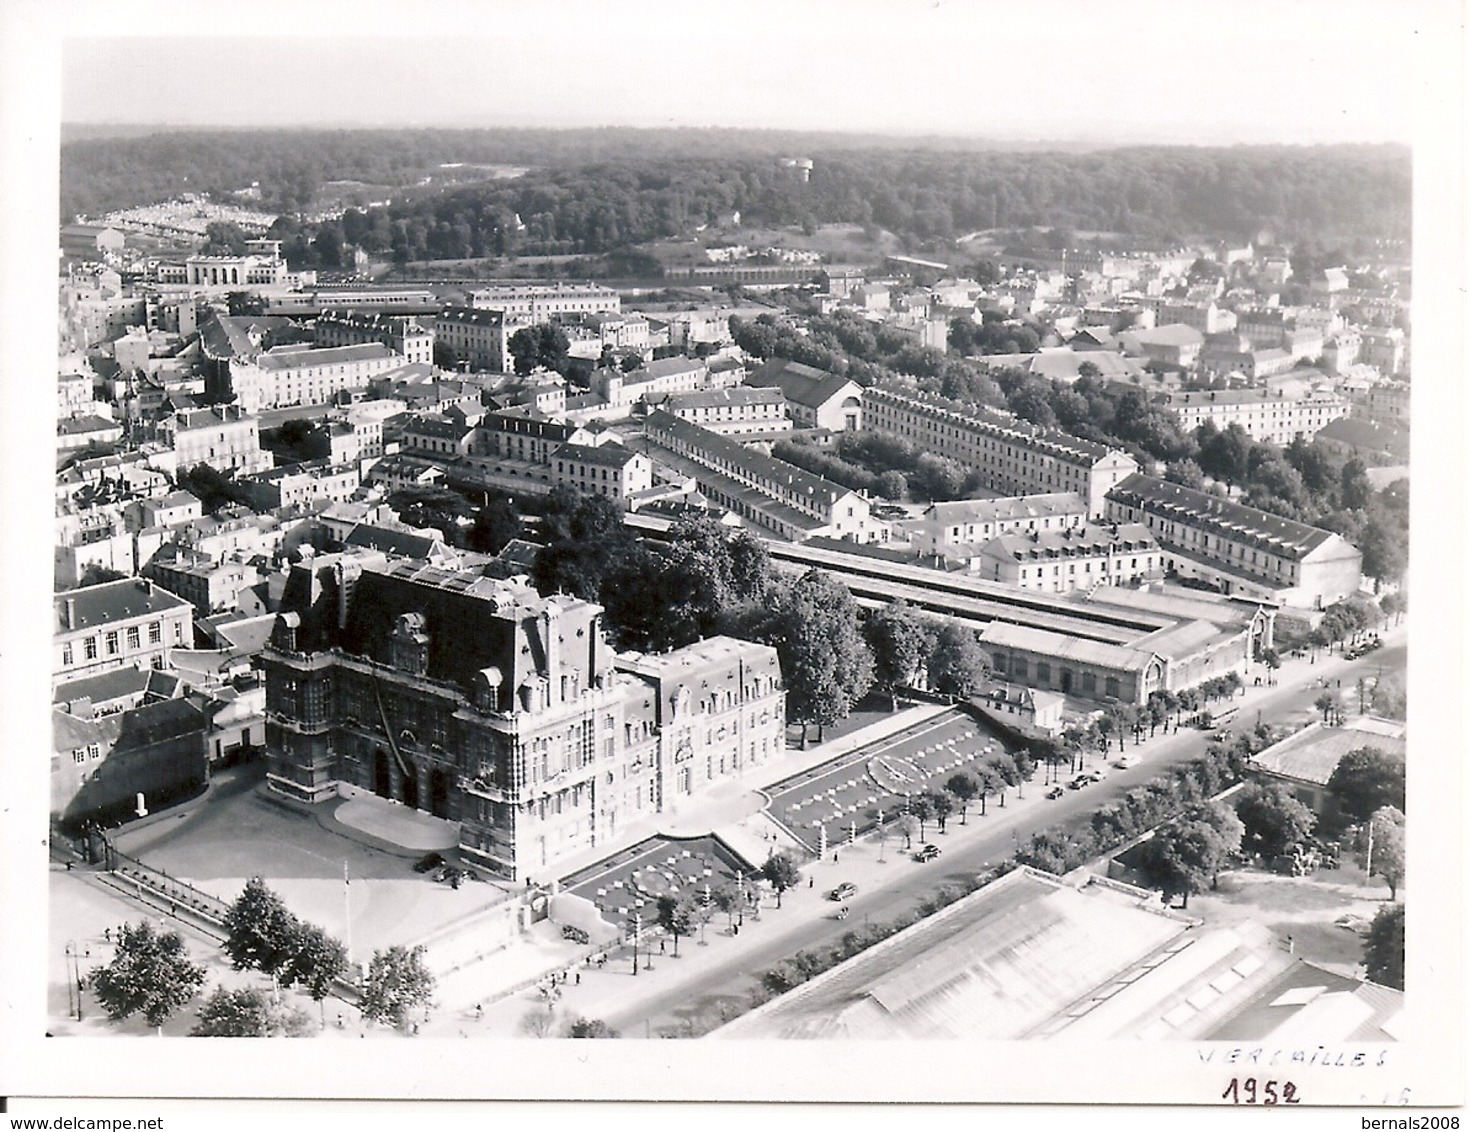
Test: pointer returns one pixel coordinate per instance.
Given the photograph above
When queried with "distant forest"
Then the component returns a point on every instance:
(592, 192)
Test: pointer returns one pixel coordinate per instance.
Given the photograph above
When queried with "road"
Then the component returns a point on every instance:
(968, 854)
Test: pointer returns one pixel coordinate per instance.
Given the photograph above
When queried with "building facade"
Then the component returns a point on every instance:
(404, 336)
(481, 702)
(127, 623)
(1272, 419)
(779, 497)
(1241, 548)
(542, 302)
(1012, 456)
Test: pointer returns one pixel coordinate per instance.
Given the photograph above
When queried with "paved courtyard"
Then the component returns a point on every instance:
(844, 797)
(218, 843)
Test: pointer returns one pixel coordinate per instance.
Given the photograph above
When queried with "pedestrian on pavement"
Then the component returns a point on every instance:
(579, 978)
(661, 944)
(479, 1011)
(811, 882)
(107, 934)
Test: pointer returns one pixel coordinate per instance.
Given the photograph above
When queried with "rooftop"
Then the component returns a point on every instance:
(1312, 754)
(111, 602)
(1285, 537)
(1064, 647)
(331, 355)
(800, 384)
(960, 512)
(610, 455)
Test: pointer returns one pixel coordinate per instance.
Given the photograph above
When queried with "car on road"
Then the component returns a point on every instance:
(927, 853)
(1123, 762)
(1055, 792)
(1079, 782)
(844, 891)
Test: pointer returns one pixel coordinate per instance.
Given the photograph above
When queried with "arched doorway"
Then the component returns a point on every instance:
(439, 793)
(411, 787)
(382, 774)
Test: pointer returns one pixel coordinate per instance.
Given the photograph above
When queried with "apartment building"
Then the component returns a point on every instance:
(1272, 418)
(738, 411)
(779, 497)
(406, 337)
(542, 302)
(1012, 456)
(1239, 548)
(127, 623)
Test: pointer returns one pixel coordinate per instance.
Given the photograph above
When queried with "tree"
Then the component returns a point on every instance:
(248, 1013)
(956, 663)
(750, 566)
(677, 916)
(1365, 780)
(1182, 855)
(590, 1028)
(727, 899)
(824, 660)
(1325, 703)
(1275, 821)
(781, 871)
(150, 974)
(223, 237)
(921, 807)
(317, 961)
(908, 825)
(95, 575)
(496, 524)
(543, 346)
(899, 639)
(964, 788)
(987, 781)
(538, 1023)
(1383, 950)
(263, 934)
(943, 805)
(398, 982)
(1386, 829)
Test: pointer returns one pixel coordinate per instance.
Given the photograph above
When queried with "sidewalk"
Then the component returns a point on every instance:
(874, 863)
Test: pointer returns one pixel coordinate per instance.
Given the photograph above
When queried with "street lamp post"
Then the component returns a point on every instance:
(637, 934)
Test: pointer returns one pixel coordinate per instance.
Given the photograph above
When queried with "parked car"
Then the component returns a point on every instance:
(927, 853)
(1123, 762)
(1055, 792)
(1079, 782)
(429, 863)
(575, 934)
(844, 891)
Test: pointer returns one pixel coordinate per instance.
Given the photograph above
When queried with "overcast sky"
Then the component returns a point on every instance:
(1150, 70)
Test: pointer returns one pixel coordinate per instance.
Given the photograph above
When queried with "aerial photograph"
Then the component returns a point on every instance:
(780, 537)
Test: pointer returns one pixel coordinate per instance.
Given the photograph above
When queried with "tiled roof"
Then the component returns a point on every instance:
(111, 602)
(801, 384)
(1072, 542)
(960, 512)
(754, 462)
(611, 455)
(1285, 537)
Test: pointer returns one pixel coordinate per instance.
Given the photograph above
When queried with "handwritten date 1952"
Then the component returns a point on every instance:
(1249, 1090)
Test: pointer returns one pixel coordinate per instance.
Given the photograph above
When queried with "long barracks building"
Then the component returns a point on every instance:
(1012, 456)
(483, 703)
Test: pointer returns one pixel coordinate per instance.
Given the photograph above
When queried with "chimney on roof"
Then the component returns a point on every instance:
(71, 613)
